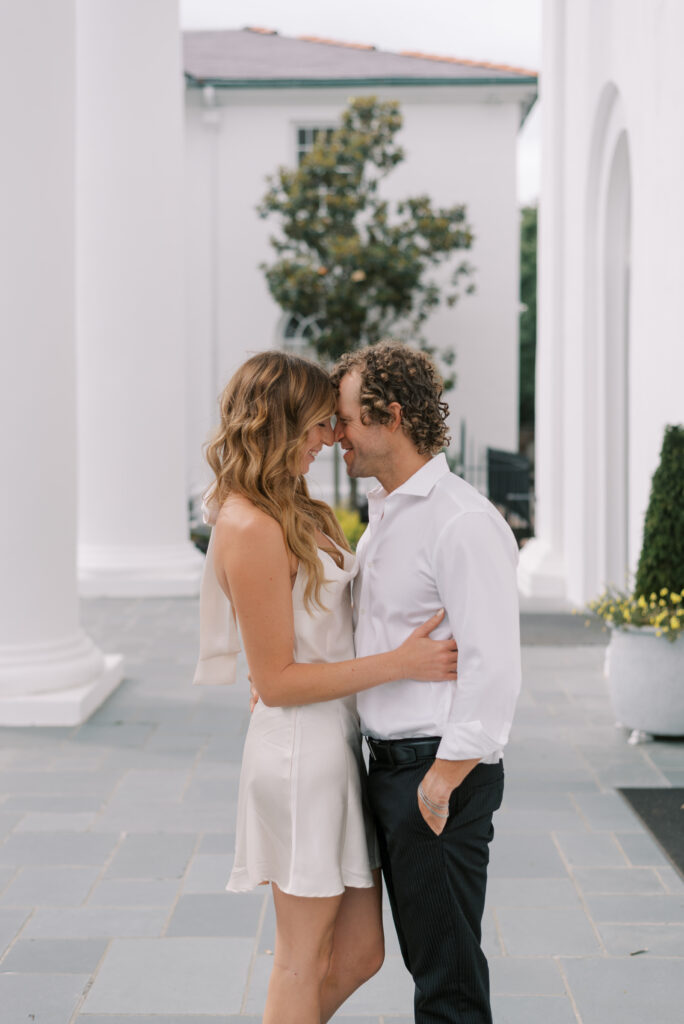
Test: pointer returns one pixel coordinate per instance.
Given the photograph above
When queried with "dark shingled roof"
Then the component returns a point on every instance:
(254, 57)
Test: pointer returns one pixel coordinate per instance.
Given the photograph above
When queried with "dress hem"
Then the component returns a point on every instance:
(244, 883)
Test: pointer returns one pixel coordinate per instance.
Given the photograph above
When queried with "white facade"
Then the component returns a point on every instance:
(133, 517)
(460, 145)
(610, 353)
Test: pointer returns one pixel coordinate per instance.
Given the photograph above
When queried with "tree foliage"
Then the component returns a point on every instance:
(528, 317)
(352, 260)
(661, 563)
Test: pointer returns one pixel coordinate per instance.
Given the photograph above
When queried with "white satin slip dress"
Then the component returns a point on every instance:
(302, 821)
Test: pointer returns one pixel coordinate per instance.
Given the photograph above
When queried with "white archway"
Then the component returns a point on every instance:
(606, 348)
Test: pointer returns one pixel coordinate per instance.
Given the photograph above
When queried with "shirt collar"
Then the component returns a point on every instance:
(420, 484)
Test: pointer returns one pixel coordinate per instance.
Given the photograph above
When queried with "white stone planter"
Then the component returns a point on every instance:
(646, 680)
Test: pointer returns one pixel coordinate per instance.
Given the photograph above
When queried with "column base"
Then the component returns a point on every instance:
(126, 571)
(541, 572)
(63, 707)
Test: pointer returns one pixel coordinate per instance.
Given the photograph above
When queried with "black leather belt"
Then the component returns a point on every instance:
(407, 751)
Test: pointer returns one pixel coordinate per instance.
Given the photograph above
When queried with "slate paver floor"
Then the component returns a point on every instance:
(116, 840)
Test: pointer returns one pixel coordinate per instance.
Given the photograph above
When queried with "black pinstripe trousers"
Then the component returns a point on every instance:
(436, 886)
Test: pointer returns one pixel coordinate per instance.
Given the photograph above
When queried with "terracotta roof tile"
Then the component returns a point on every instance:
(469, 63)
(335, 42)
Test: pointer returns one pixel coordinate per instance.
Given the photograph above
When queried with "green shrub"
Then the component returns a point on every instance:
(351, 524)
(661, 564)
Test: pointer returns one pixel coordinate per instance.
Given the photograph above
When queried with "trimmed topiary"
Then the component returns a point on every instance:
(661, 564)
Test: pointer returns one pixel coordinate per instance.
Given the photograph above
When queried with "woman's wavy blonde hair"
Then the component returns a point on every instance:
(266, 410)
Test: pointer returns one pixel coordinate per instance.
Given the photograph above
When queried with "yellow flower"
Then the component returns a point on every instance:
(662, 603)
(674, 622)
(653, 597)
(642, 601)
(675, 598)
(663, 591)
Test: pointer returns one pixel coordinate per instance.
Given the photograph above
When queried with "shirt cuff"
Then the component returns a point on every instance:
(468, 740)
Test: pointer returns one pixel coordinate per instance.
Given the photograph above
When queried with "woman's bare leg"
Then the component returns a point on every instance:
(358, 946)
(304, 940)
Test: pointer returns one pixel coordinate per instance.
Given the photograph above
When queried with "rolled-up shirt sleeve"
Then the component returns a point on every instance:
(475, 561)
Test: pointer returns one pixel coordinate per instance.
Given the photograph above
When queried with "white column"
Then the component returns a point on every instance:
(542, 564)
(50, 672)
(133, 534)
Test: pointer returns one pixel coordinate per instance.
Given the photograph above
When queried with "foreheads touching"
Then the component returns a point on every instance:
(384, 378)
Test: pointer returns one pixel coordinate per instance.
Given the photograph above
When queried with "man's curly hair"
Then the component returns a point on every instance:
(392, 372)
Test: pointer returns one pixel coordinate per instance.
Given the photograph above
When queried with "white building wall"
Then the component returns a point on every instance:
(617, 71)
(460, 147)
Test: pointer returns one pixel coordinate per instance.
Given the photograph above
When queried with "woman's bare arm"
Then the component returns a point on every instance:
(253, 567)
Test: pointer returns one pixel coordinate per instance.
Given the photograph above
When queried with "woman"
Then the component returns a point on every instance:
(282, 561)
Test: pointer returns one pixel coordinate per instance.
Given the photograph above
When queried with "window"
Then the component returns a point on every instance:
(296, 334)
(307, 136)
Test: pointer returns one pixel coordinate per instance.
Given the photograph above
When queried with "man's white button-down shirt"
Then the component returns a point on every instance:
(433, 543)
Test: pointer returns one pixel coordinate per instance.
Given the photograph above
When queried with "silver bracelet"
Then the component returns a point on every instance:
(436, 809)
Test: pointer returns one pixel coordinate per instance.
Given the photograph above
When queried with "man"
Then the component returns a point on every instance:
(436, 774)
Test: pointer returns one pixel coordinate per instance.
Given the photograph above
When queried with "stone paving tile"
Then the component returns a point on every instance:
(50, 887)
(235, 914)
(154, 817)
(51, 1002)
(631, 990)
(219, 842)
(138, 785)
(95, 922)
(514, 976)
(516, 856)
(54, 956)
(92, 733)
(6, 876)
(208, 873)
(530, 822)
(590, 850)
(53, 804)
(135, 892)
(547, 931)
(531, 892)
(98, 783)
(171, 976)
(607, 812)
(152, 856)
(654, 939)
(11, 921)
(671, 879)
(56, 848)
(48, 821)
(533, 1010)
(641, 849)
(618, 880)
(524, 798)
(129, 1018)
(7, 823)
(631, 909)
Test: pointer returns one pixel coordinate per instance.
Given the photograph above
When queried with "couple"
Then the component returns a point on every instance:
(435, 568)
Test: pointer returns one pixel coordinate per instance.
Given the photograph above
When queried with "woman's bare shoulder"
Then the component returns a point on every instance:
(240, 518)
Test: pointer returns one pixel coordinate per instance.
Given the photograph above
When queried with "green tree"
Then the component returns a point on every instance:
(528, 317)
(347, 258)
(661, 563)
